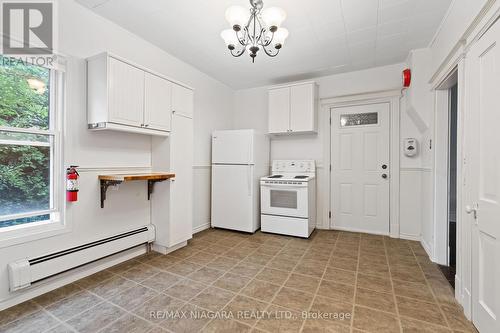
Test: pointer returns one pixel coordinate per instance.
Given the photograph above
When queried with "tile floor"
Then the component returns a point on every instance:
(233, 282)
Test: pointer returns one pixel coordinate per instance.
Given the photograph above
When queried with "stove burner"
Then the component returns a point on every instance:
(301, 177)
(276, 176)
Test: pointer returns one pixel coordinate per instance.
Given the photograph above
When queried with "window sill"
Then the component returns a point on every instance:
(32, 232)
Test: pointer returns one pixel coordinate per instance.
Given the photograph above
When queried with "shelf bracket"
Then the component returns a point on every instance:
(104, 188)
(151, 184)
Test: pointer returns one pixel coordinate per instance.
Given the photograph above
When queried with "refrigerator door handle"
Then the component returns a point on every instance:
(249, 179)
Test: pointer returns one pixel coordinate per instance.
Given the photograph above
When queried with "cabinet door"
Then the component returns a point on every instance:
(126, 93)
(279, 110)
(181, 195)
(157, 103)
(302, 108)
(182, 100)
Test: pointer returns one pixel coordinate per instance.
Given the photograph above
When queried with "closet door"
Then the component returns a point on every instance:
(126, 94)
(181, 194)
(157, 103)
(483, 185)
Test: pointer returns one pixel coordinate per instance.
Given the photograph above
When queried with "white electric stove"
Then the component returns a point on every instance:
(288, 198)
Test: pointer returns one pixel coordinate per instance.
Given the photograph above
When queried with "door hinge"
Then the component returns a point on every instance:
(330, 215)
(330, 168)
(330, 121)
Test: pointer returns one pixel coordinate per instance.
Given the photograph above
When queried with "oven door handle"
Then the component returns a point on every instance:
(283, 186)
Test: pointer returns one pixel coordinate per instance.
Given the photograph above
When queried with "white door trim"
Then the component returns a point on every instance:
(440, 244)
(392, 97)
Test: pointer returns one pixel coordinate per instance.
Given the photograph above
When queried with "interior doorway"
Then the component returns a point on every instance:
(447, 173)
(450, 270)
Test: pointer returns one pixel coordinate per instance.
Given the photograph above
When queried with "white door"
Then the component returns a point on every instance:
(302, 113)
(360, 168)
(157, 103)
(233, 147)
(232, 197)
(126, 94)
(279, 110)
(181, 163)
(483, 164)
(182, 100)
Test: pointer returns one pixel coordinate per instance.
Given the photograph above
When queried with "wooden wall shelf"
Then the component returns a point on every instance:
(116, 179)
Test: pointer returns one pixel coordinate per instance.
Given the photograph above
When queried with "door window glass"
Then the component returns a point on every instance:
(359, 119)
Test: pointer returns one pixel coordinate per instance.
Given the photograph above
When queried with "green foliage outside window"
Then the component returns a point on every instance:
(24, 168)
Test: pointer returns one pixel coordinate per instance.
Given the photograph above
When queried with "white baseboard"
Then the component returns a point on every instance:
(166, 250)
(427, 248)
(416, 238)
(459, 296)
(467, 303)
(359, 230)
(201, 228)
(69, 277)
(323, 227)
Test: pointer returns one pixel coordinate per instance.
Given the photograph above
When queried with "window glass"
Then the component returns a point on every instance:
(24, 98)
(26, 144)
(284, 199)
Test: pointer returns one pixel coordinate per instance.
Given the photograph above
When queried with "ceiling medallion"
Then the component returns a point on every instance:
(255, 30)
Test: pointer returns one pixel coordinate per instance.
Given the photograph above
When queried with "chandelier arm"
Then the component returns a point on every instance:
(260, 36)
(254, 36)
(237, 54)
(241, 39)
(270, 54)
(261, 32)
(267, 43)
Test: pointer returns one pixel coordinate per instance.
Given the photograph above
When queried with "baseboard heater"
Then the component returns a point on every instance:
(25, 272)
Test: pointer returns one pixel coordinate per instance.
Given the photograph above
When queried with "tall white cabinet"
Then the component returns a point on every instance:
(123, 96)
(172, 203)
(293, 108)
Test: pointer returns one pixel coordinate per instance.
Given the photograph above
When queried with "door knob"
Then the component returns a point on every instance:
(472, 210)
(384, 175)
(384, 166)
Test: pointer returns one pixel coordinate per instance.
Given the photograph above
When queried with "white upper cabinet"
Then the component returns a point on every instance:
(125, 97)
(182, 101)
(157, 103)
(303, 108)
(126, 93)
(293, 109)
(279, 110)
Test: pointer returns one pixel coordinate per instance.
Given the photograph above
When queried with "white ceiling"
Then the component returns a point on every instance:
(326, 36)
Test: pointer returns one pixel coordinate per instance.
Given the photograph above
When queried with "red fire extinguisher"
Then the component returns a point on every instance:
(72, 183)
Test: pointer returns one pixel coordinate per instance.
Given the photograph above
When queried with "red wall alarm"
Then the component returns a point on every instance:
(406, 78)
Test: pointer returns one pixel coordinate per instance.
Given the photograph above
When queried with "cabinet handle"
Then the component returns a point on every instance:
(173, 111)
(146, 125)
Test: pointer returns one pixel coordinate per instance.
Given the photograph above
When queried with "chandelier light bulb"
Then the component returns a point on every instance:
(273, 17)
(279, 37)
(229, 38)
(237, 16)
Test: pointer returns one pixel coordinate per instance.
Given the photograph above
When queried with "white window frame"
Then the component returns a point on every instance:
(32, 231)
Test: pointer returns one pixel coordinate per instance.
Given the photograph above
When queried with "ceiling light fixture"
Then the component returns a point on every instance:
(255, 30)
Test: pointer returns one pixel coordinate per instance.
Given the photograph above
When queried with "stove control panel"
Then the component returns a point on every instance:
(294, 166)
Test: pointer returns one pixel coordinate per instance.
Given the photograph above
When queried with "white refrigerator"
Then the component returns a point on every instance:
(239, 159)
